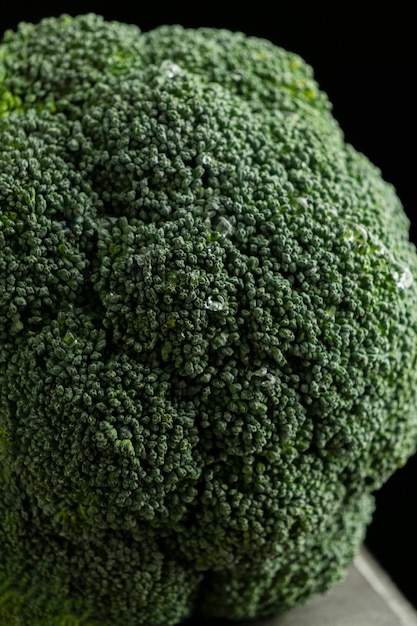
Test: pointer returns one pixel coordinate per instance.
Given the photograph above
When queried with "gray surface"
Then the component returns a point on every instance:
(367, 597)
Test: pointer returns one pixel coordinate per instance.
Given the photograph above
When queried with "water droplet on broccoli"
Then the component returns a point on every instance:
(403, 278)
(215, 305)
(224, 227)
(172, 70)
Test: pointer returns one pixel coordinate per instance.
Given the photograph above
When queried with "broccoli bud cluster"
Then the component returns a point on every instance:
(208, 328)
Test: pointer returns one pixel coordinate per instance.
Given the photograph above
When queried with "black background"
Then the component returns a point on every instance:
(364, 58)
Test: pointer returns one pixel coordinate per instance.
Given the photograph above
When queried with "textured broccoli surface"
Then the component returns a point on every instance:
(208, 324)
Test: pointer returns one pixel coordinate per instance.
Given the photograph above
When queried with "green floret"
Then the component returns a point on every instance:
(208, 324)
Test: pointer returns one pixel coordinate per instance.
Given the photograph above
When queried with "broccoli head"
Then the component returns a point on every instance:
(208, 328)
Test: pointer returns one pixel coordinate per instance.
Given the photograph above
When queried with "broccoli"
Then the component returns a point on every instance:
(208, 324)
